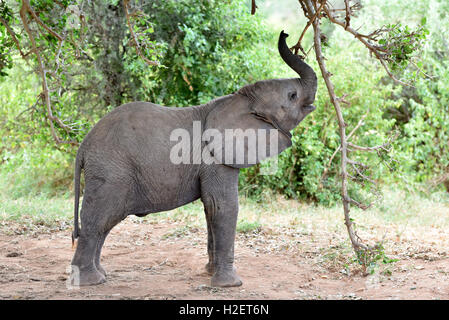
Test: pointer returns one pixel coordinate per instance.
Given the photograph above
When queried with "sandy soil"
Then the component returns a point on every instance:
(158, 261)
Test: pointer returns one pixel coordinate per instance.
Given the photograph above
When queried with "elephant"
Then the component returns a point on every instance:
(128, 170)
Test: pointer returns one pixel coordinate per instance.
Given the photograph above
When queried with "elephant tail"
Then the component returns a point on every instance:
(78, 167)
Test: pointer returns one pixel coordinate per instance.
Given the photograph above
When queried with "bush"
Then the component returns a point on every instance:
(210, 50)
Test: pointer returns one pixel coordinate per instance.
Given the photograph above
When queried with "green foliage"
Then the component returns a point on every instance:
(36, 170)
(421, 112)
(30, 163)
(6, 41)
(400, 43)
(370, 259)
(244, 226)
(209, 51)
(426, 134)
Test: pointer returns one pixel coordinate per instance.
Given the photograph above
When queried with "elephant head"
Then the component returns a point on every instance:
(263, 107)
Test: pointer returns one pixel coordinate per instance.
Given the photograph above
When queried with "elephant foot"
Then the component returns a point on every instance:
(226, 279)
(101, 270)
(91, 278)
(88, 277)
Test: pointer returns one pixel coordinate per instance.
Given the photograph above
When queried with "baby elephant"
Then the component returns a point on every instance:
(143, 158)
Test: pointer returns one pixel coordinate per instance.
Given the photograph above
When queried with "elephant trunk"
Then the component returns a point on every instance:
(306, 73)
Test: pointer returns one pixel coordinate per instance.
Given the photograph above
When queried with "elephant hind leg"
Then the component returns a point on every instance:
(100, 213)
(98, 254)
(84, 271)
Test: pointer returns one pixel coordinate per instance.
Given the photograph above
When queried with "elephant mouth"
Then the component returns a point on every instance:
(310, 108)
(267, 119)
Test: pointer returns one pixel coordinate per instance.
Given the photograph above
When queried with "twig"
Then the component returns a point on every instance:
(253, 7)
(420, 70)
(359, 124)
(357, 170)
(371, 48)
(361, 205)
(14, 37)
(298, 45)
(33, 107)
(368, 149)
(25, 8)
(375, 148)
(133, 35)
(348, 14)
(27, 5)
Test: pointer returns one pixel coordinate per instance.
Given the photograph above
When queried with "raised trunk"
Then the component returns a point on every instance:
(305, 72)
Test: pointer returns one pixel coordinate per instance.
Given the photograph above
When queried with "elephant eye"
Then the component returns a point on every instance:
(292, 96)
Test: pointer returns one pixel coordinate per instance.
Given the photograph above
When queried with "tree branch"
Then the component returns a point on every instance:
(14, 37)
(357, 245)
(362, 39)
(45, 92)
(134, 37)
(27, 6)
(298, 46)
(359, 124)
(253, 6)
(348, 14)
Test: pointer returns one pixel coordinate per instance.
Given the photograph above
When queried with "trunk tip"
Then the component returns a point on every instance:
(283, 34)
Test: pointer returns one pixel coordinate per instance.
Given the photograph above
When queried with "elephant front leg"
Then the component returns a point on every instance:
(210, 245)
(223, 229)
(220, 198)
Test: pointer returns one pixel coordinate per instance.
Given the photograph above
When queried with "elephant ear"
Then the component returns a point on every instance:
(237, 136)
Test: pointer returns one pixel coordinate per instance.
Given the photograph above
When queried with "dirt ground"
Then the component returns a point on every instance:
(164, 261)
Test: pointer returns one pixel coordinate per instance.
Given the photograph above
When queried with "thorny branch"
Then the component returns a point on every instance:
(298, 46)
(26, 3)
(348, 14)
(315, 10)
(253, 6)
(14, 38)
(24, 10)
(382, 52)
(309, 6)
(134, 36)
(28, 15)
(359, 124)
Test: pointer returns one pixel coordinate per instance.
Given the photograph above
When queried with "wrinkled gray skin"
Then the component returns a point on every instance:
(127, 167)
